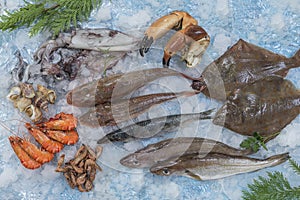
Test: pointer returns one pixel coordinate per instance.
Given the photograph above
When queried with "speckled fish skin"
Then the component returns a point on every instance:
(176, 147)
(249, 110)
(110, 114)
(214, 165)
(116, 86)
(242, 64)
(165, 124)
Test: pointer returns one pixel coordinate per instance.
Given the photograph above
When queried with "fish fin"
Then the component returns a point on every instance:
(103, 140)
(192, 175)
(296, 57)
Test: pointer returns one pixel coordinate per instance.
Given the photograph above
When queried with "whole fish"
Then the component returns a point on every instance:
(145, 129)
(245, 112)
(214, 165)
(109, 114)
(176, 147)
(242, 64)
(117, 86)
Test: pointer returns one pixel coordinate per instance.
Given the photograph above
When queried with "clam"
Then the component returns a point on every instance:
(34, 113)
(14, 93)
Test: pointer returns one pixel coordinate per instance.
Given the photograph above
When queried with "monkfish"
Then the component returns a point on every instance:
(214, 165)
(117, 86)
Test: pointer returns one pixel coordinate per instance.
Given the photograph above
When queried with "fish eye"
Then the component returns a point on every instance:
(165, 171)
(135, 162)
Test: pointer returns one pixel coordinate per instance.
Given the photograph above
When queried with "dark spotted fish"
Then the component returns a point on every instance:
(153, 127)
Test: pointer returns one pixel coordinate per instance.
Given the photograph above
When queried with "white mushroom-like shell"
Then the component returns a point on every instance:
(14, 93)
(33, 113)
(27, 90)
(21, 103)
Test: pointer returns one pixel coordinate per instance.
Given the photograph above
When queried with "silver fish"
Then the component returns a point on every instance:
(214, 165)
(162, 125)
(176, 147)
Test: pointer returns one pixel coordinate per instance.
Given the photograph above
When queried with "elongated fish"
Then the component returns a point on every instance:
(255, 109)
(242, 64)
(117, 86)
(214, 165)
(176, 147)
(109, 114)
(153, 127)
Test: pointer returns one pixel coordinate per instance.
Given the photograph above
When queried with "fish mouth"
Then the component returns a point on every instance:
(130, 161)
(69, 98)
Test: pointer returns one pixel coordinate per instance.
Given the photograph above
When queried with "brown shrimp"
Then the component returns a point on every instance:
(51, 146)
(25, 159)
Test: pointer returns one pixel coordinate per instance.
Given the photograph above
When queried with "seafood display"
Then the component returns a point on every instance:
(266, 107)
(31, 102)
(214, 165)
(155, 126)
(191, 39)
(176, 147)
(110, 114)
(52, 135)
(242, 64)
(81, 171)
(117, 86)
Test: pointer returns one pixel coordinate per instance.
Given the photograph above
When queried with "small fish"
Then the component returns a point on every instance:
(176, 147)
(117, 86)
(163, 125)
(242, 64)
(214, 165)
(111, 114)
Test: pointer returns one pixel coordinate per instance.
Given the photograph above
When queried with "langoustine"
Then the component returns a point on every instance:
(155, 126)
(249, 110)
(110, 114)
(214, 165)
(118, 86)
(52, 141)
(242, 64)
(176, 147)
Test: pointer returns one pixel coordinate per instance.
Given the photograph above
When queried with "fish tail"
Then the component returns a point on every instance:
(188, 93)
(295, 60)
(278, 159)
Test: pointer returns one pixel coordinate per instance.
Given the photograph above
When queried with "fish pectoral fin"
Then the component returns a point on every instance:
(192, 175)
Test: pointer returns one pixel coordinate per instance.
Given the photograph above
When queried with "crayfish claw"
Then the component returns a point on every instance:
(145, 45)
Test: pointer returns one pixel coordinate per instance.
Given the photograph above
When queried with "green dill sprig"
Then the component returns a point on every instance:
(275, 187)
(256, 141)
(295, 166)
(53, 15)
